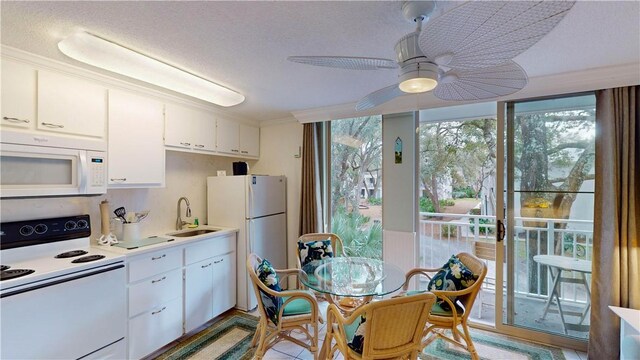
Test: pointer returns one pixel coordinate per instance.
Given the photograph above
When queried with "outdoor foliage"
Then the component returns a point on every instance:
(464, 192)
(482, 230)
(449, 231)
(458, 156)
(427, 206)
(375, 201)
(361, 236)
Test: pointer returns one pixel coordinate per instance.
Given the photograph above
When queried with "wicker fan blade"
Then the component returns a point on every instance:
(488, 33)
(379, 97)
(481, 83)
(345, 62)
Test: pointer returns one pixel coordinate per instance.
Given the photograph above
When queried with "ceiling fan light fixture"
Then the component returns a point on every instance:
(96, 51)
(419, 77)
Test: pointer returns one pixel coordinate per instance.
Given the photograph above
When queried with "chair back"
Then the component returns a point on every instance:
(395, 326)
(336, 243)
(478, 267)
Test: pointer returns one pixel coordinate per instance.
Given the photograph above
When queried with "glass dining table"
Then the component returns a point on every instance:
(349, 282)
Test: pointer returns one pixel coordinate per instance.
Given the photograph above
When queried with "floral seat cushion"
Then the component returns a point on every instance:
(268, 276)
(453, 276)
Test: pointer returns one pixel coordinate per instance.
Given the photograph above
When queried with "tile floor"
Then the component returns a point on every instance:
(286, 350)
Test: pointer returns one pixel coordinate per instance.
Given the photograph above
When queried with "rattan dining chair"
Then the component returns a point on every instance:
(457, 317)
(394, 328)
(299, 311)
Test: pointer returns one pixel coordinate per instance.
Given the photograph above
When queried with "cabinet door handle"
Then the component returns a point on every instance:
(51, 125)
(159, 257)
(12, 119)
(199, 146)
(157, 281)
(219, 261)
(185, 143)
(119, 179)
(234, 150)
(159, 311)
(244, 152)
(204, 266)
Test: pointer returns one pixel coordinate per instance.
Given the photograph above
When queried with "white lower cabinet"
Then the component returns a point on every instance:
(209, 283)
(198, 289)
(155, 328)
(224, 283)
(176, 290)
(155, 301)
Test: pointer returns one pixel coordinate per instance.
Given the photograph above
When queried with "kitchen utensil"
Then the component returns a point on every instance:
(141, 215)
(121, 212)
(130, 217)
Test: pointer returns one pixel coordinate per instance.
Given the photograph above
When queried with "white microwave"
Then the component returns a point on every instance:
(36, 170)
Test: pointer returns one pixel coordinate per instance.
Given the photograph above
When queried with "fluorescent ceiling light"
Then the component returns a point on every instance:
(110, 56)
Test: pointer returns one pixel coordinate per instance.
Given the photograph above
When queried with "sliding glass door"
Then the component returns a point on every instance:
(546, 198)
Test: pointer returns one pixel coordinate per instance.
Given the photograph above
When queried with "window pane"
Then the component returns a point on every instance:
(356, 184)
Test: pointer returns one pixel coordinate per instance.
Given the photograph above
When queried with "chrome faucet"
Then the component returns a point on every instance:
(179, 222)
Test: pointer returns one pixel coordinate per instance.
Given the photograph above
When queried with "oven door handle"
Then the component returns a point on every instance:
(56, 282)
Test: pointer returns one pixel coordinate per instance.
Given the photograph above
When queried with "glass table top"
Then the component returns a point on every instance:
(352, 276)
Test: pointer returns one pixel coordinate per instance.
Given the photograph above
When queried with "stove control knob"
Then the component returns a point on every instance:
(41, 228)
(82, 224)
(70, 225)
(26, 230)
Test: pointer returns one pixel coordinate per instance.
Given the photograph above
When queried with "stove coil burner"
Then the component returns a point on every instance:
(4, 267)
(71, 253)
(11, 274)
(88, 258)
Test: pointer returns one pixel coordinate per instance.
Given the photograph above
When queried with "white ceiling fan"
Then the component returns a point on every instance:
(464, 54)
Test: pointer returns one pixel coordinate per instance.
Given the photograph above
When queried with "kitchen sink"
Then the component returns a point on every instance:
(192, 233)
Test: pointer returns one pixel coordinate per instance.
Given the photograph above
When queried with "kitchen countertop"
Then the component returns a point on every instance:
(178, 241)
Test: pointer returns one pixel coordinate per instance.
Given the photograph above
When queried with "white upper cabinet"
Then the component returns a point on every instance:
(189, 128)
(228, 136)
(71, 105)
(136, 146)
(249, 140)
(237, 139)
(18, 95)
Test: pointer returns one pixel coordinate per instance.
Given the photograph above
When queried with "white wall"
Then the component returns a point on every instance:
(278, 145)
(186, 175)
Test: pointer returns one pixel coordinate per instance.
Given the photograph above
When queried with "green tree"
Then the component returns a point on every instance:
(462, 152)
(554, 155)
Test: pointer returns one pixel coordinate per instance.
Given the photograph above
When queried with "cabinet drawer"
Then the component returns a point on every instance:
(199, 251)
(155, 290)
(208, 248)
(154, 263)
(152, 330)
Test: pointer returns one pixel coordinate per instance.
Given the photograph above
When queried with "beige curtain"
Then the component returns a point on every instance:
(616, 248)
(309, 196)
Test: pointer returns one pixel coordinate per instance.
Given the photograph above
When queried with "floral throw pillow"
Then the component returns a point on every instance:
(268, 276)
(357, 343)
(313, 251)
(453, 276)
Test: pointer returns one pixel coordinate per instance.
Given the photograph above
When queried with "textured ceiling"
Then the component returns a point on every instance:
(244, 45)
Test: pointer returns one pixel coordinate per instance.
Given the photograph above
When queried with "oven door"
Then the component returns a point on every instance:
(69, 317)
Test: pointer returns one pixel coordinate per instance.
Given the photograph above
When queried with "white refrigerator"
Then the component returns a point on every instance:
(257, 206)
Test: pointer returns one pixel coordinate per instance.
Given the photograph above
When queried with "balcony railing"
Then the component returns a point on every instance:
(439, 238)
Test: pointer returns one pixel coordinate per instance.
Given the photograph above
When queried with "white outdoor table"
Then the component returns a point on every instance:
(557, 264)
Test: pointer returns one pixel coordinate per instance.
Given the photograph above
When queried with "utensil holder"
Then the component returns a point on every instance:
(130, 231)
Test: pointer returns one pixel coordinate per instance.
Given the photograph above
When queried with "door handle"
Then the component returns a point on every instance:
(501, 231)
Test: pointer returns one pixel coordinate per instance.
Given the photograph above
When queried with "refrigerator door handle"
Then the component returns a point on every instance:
(250, 237)
(250, 199)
